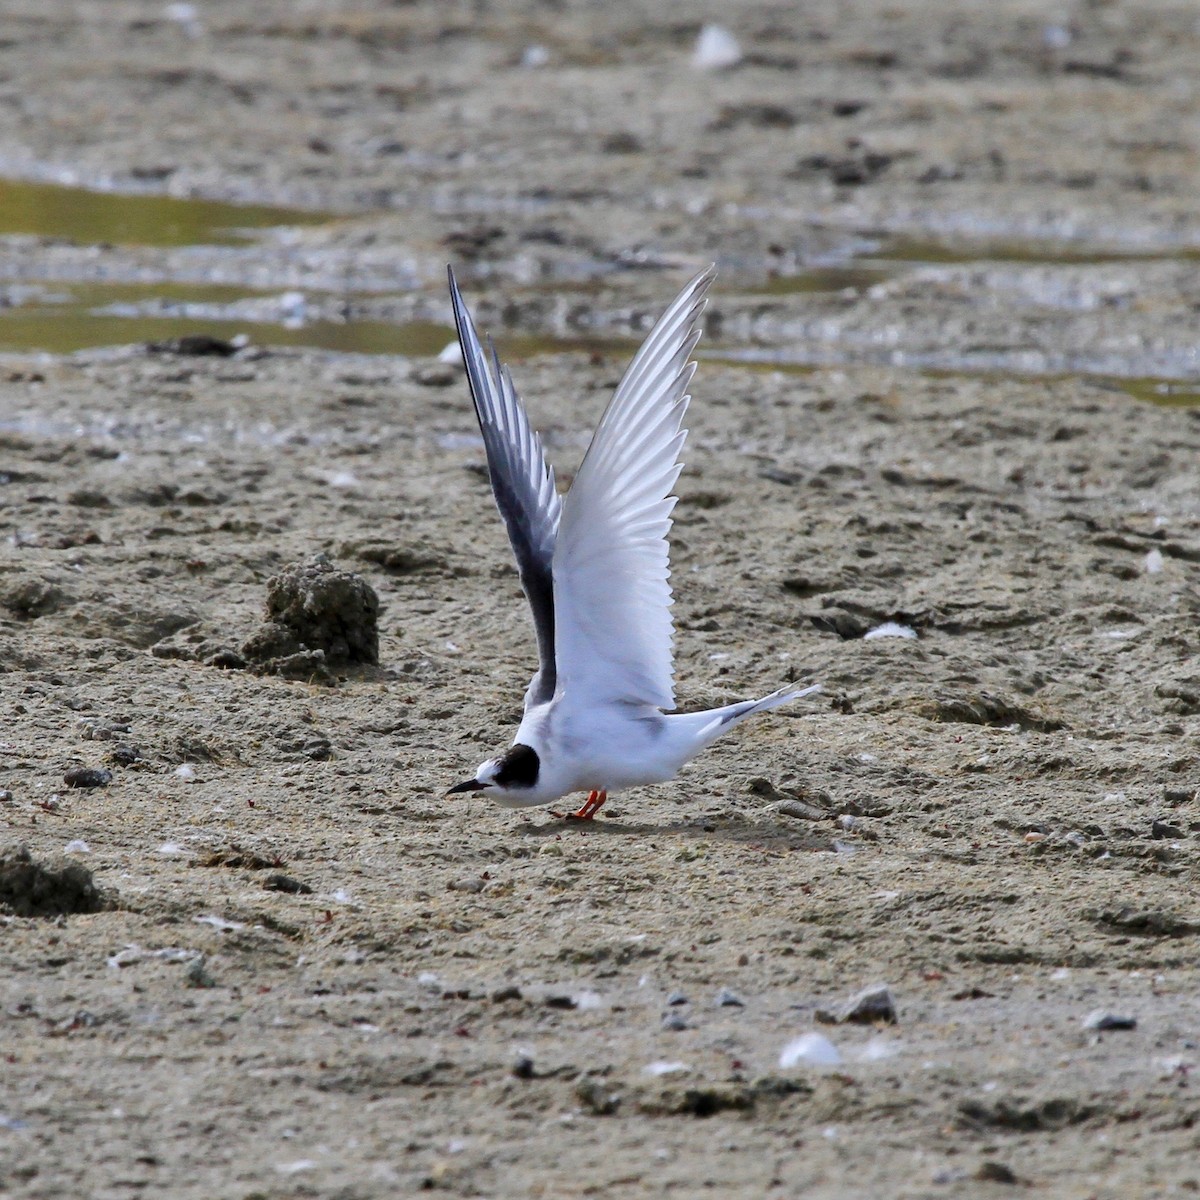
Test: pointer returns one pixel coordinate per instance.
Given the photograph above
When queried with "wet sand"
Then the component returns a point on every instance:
(997, 818)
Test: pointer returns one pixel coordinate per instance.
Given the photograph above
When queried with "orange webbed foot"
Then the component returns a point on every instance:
(590, 807)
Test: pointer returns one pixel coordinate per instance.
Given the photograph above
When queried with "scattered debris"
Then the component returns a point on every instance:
(220, 924)
(1151, 922)
(237, 856)
(984, 708)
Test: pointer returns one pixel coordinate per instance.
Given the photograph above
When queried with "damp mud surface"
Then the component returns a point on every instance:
(249, 947)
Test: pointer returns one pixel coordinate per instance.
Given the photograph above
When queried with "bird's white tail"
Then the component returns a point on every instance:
(706, 727)
(734, 713)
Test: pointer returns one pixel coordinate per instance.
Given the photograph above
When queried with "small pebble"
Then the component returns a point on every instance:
(995, 1172)
(88, 777)
(728, 999)
(1100, 1021)
(279, 882)
(677, 998)
(666, 1068)
(810, 1049)
(889, 629)
(196, 974)
(674, 1021)
(716, 49)
(123, 755)
(77, 846)
(559, 1002)
(532, 57)
(596, 1098)
(6, 797)
(800, 810)
(522, 1067)
(872, 1004)
(185, 771)
(473, 884)
(500, 995)
(436, 375)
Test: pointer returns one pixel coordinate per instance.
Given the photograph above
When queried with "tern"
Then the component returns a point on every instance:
(594, 565)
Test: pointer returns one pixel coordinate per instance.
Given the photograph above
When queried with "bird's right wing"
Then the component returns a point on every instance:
(521, 482)
(612, 599)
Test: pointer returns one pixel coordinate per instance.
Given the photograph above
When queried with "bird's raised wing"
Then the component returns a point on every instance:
(613, 632)
(521, 482)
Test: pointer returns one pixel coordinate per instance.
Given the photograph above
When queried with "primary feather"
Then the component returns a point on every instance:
(612, 599)
(522, 484)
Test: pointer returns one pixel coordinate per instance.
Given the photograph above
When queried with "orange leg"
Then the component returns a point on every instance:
(591, 806)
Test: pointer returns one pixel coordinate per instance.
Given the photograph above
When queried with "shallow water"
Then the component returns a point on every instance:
(88, 217)
(66, 317)
(83, 316)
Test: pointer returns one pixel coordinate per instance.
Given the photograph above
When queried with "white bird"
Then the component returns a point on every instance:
(594, 566)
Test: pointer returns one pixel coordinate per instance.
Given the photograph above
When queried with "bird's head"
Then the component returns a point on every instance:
(514, 772)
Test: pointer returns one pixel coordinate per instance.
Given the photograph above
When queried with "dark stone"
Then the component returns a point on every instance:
(30, 598)
(201, 345)
(34, 889)
(996, 1172)
(88, 777)
(872, 1004)
(596, 1098)
(279, 882)
(315, 608)
(227, 660)
(1160, 830)
(1102, 1021)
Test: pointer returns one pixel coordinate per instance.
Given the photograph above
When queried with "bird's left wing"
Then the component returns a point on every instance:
(521, 482)
(613, 631)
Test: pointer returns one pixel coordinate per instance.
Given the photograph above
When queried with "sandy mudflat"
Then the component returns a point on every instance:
(998, 818)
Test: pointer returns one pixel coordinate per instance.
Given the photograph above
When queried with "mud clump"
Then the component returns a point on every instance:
(317, 617)
(35, 889)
